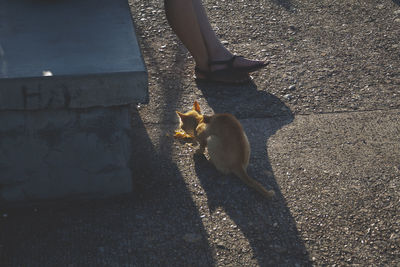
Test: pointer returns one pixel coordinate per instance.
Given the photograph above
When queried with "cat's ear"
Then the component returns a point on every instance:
(196, 106)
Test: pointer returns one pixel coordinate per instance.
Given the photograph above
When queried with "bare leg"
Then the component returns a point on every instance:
(195, 32)
(183, 20)
(216, 50)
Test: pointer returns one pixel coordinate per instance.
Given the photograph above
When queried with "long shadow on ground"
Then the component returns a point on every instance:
(268, 226)
(157, 226)
(171, 218)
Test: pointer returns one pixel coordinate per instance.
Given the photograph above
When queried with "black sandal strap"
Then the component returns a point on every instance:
(228, 62)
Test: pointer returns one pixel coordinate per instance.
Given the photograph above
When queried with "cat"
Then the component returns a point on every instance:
(226, 142)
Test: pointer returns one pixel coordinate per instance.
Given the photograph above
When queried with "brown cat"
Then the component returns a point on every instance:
(226, 142)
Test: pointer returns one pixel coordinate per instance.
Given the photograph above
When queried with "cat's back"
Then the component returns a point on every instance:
(228, 145)
(225, 121)
(227, 127)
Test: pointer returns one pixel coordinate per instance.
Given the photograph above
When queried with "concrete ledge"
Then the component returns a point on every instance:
(111, 89)
(69, 54)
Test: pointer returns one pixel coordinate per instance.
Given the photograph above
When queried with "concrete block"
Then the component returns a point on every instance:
(51, 154)
(69, 71)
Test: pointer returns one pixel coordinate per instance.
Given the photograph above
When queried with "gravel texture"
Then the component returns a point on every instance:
(340, 56)
(323, 121)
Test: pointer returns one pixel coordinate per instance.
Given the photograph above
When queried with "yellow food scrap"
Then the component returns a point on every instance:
(181, 134)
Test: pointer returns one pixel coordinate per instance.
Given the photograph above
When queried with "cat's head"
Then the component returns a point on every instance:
(190, 120)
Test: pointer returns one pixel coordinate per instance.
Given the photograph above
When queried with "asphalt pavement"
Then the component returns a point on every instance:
(335, 166)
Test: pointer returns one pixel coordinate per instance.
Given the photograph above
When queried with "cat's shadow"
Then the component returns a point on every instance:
(268, 225)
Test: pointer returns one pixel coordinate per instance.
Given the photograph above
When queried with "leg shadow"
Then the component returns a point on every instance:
(268, 226)
(169, 215)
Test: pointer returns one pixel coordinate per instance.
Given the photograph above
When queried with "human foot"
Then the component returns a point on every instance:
(238, 63)
(226, 75)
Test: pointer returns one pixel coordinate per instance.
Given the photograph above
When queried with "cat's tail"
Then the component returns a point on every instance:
(242, 174)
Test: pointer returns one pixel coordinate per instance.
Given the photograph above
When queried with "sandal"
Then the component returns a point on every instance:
(227, 76)
(229, 63)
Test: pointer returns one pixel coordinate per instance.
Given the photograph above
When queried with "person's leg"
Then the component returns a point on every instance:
(216, 50)
(183, 20)
(182, 17)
